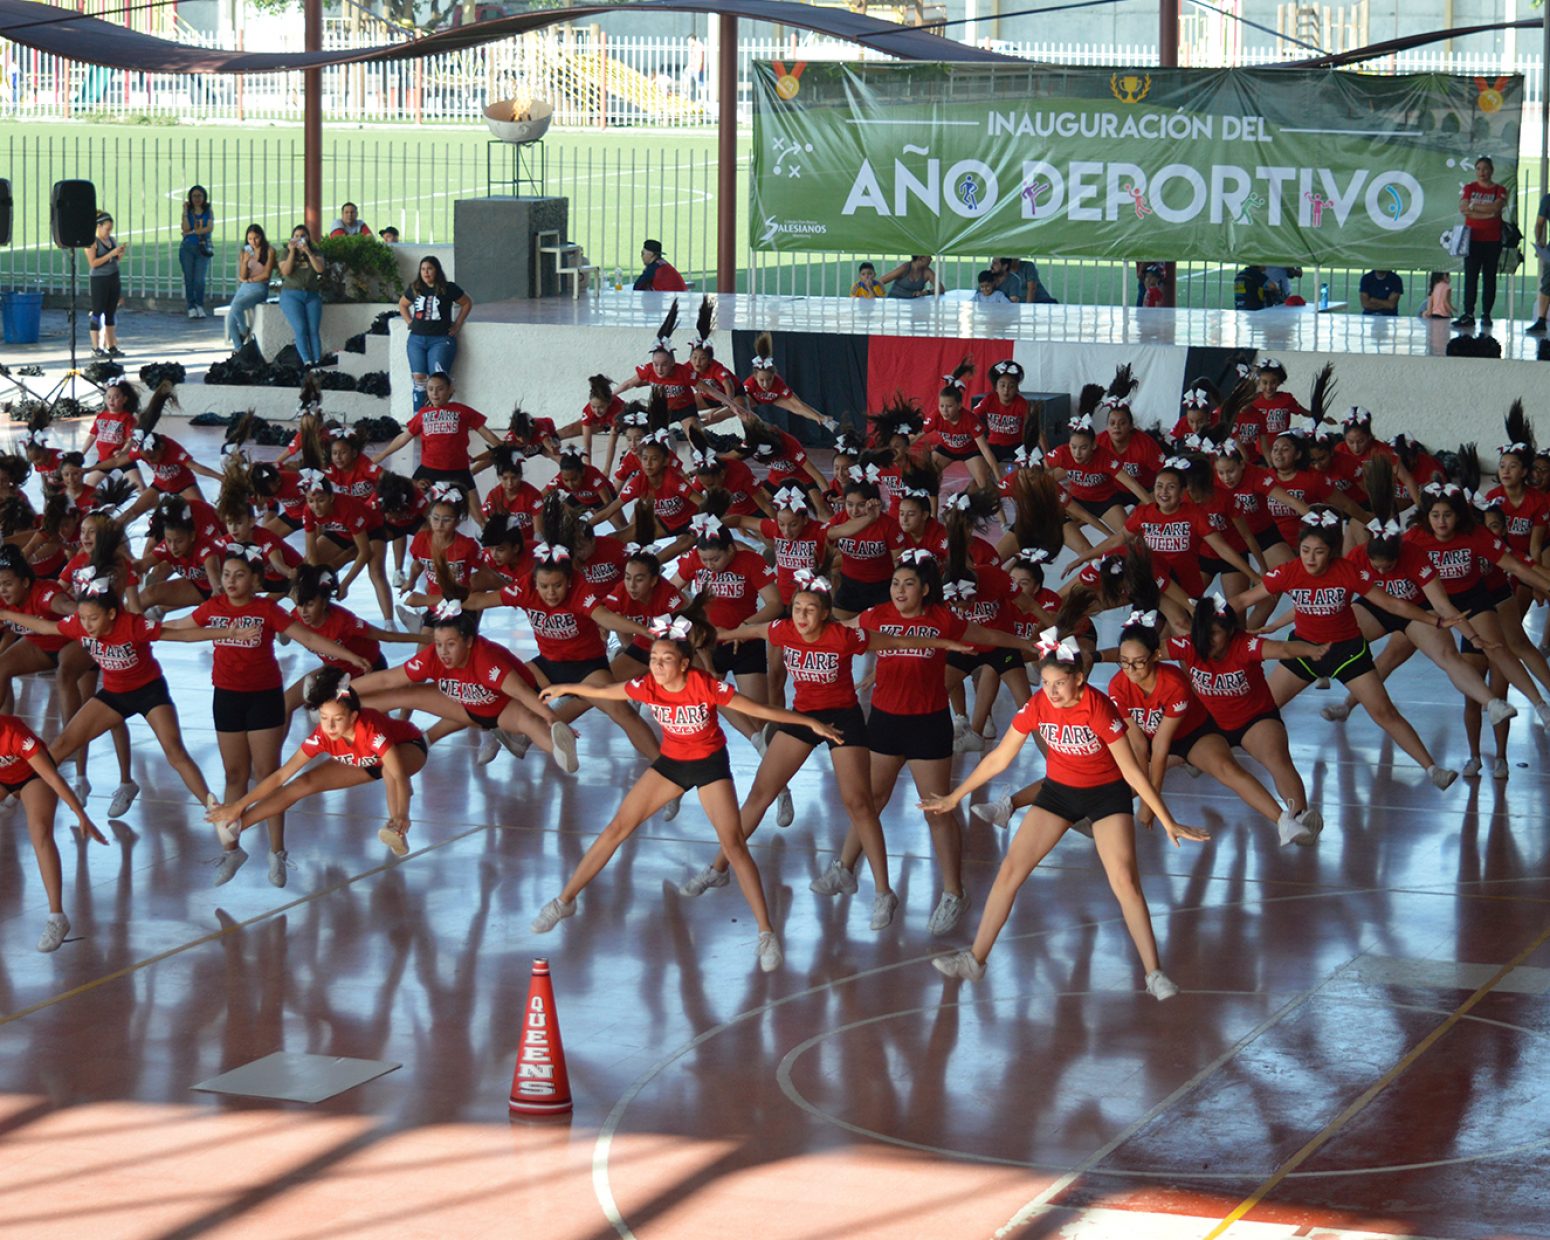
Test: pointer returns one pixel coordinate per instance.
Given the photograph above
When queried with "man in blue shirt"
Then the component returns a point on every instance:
(1380, 292)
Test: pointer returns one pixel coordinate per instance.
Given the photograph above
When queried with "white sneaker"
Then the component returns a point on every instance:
(968, 742)
(761, 746)
(948, 913)
(997, 813)
(768, 952)
(1083, 826)
(1499, 770)
(670, 810)
(961, 965)
(1160, 986)
(989, 730)
(1321, 683)
(1472, 769)
(884, 905)
(229, 863)
(1441, 776)
(1499, 710)
(279, 863)
(394, 839)
(407, 617)
(488, 748)
(835, 881)
(192, 313)
(1291, 831)
(785, 811)
(702, 882)
(81, 786)
(1337, 713)
(516, 743)
(54, 931)
(552, 914)
(1542, 709)
(960, 725)
(564, 748)
(399, 579)
(1312, 819)
(154, 614)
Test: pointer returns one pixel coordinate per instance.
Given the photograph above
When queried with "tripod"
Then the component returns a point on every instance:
(66, 388)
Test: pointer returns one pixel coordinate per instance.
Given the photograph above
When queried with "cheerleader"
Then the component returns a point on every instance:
(670, 380)
(954, 433)
(868, 541)
(183, 564)
(442, 426)
(110, 429)
(1139, 455)
(172, 469)
(315, 610)
(1360, 445)
(57, 536)
(1092, 773)
(600, 413)
(1096, 479)
(512, 496)
(469, 681)
(1526, 510)
(234, 506)
(1044, 514)
(503, 555)
(582, 484)
(281, 492)
(403, 506)
(44, 460)
(358, 745)
(439, 540)
(1197, 413)
(641, 596)
(684, 701)
(341, 530)
(765, 388)
(714, 472)
(673, 503)
(1004, 412)
(31, 652)
(29, 774)
(702, 359)
(1271, 411)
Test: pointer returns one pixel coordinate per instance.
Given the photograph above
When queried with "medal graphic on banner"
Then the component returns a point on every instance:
(1490, 97)
(787, 84)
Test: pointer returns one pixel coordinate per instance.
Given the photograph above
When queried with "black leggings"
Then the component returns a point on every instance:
(105, 294)
(1480, 266)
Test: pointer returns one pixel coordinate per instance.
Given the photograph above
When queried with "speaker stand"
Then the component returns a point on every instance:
(67, 388)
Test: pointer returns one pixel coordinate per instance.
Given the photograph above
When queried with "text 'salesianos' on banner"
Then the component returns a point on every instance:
(1225, 165)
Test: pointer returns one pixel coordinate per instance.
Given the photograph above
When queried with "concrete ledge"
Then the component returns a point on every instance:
(341, 320)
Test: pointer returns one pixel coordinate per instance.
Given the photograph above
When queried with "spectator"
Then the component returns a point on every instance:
(1283, 278)
(255, 266)
(1142, 271)
(867, 284)
(1439, 297)
(1034, 291)
(388, 236)
(659, 275)
(1541, 239)
(1482, 202)
(1380, 292)
(301, 294)
(1152, 287)
(102, 257)
(1007, 280)
(912, 279)
(435, 310)
(195, 251)
(694, 68)
(987, 291)
(1252, 290)
(349, 223)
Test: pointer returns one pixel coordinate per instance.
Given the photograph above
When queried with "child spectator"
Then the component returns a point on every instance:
(867, 284)
(987, 291)
(1152, 295)
(1439, 297)
(388, 236)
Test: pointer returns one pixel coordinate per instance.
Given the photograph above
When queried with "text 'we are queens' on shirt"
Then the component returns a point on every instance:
(1076, 738)
(691, 730)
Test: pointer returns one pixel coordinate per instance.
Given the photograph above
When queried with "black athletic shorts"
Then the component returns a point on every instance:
(848, 721)
(487, 722)
(392, 532)
(1345, 661)
(1097, 803)
(236, 710)
(458, 477)
(1387, 619)
(1269, 537)
(1211, 568)
(856, 596)
(417, 743)
(957, 454)
(1004, 452)
(1479, 598)
(568, 671)
(913, 737)
(1000, 659)
(1234, 736)
(141, 701)
(1181, 745)
(9, 789)
(746, 658)
(641, 654)
(698, 773)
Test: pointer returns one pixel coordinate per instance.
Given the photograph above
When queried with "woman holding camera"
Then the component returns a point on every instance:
(301, 294)
(195, 250)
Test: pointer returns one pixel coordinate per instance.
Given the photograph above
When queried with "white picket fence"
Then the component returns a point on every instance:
(595, 80)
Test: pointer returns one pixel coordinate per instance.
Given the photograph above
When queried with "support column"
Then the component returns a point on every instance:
(1168, 58)
(312, 124)
(726, 157)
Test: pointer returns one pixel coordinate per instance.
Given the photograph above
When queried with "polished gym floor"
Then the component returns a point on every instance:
(1361, 1048)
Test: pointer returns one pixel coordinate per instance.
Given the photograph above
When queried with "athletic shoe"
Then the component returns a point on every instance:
(515, 743)
(835, 881)
(960, 725)
(279, 863)
(968, 742)
(153, 614)
(192, 313)
(564, 747)
(1337, 713)
(54, 931)
(884, 905)
(1321, 683)
(768, 952)
(228, 864)
(1160, 986)
(1499, 710)
(1472, 769)
(488, 748)
(115, 351)
(81, 786)
(99, 352)
(1536, 328)
(997, 813)
(1291, 831)
(702, 882)
(989, 730)
(1312, 822)
(1084, 826)
(400, 579)
(961, 965)
(785, 812)
(394, 839)
(1542, 709)
(407, 617)
(760, 744)
(670, 810)
(227, 832)
(1441, 776)
(1499, 770)
(1464, 320)
(948, 913)
(552, 914)
(1485, 322)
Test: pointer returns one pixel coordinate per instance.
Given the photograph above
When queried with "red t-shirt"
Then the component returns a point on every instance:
(342, 625)
(1175, 539)
(477, 683)
(244, 661)
(1523, 517)
(124, 654)
(1170, 698)
(39, 602)
(759, 395)
(540, 431)
(443, 434)
(589, 492)
(591, 417)
(820, 670)
(462, 556)
(670, 499)
(677, 386)
(604, 568)
(732, 594)
(19, 744)
(1478, 195)
(1092, 483)
(1232, 688)
(911, 681)
(1405, 578)
(989, 602)
(267, 541)
(375, 734)
(1458, 561)
(111, 431)
(169, 472)
(1249, 498)
(1003, 423)
(290, 499)
(1076, 738)
(738, 482)
(807, 550)
(956, 436)
(1142, 458)
(665, 600)
(1308, 485)
(790, 462)
(687, 717)
(1323, 604)
(346, 517)
(565, 632)
(1273, 414)
(192, 564)
(868, 555)
(717, 376)
(358, 482)
(73, 577)
(521, 507)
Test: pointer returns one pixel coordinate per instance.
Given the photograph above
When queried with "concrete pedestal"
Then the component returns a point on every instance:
(494, 246)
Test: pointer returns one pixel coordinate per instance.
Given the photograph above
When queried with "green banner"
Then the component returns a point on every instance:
(1311, 167)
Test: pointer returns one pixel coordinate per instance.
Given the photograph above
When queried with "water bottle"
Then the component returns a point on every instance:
(618, 279)
(1324, 297)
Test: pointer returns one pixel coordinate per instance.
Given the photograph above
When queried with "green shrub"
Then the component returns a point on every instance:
(359, 269)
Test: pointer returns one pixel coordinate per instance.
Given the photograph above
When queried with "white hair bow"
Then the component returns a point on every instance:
(443, 492)
(916, 555)
(635, 419)
(915, 493)
(142, 439)
(248, 551)
(1322, 518)
(1197, 398)
(1443, 488)
(1357, 416)
(704, 460)
(1219, 601)
(865, 473)
(965, 588)
(314, 480)
(1007, 368)
(663, 436)
(662, 344)
(1512, 447)
(953, 381)
(763, 363)
(91, 582)
(1033, 555)
(845, 444)
(1243, 370)
(1385, 529)
(957, 503)
(1146, 619)
(1480, 500)
(119, 381)
(1229, 447)
(1270, 363)
(551, 553)
(1181, 463)
(807, 579)
(1027, 458)
(344, 690)
(706, 523)
(447, 609)
(790, 499)
(1064, 649)
(1082, 422)
(674, 628)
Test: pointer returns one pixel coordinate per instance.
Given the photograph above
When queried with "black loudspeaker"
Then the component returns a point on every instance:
(72, 213)
(5, 212)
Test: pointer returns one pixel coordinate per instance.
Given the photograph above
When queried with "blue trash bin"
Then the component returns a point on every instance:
(22, 314)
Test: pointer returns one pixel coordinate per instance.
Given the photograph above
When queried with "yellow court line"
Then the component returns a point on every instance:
(1377, 1087)
(8, 1017)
